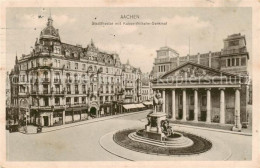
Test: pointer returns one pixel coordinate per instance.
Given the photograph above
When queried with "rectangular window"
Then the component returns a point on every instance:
(83, 66)
(237, 61)
(76, 100)
(76, 65)
(68, 100)
(46, 101)
(58, 63)
(57, 101)
(228, 62)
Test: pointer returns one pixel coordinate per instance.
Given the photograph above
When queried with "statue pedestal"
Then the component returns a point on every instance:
(153, 130)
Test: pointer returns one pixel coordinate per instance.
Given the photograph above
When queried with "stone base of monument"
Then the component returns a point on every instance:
(176, 140)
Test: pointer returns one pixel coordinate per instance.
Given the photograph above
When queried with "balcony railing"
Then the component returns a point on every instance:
(76, 92)
(58, 92)
(69, 92)
(84, 91)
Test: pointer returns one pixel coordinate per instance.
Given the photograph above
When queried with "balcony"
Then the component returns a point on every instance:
(128, 96)
(45, 80)
(129, 86)
(84, 91)
(59, 106)
(76, 81)
(58, 92)
(69, 92)
(57, 80)
(76, 92)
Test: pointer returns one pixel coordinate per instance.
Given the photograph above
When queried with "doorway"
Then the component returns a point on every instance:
(93, 111)
(203, 115)
(191, 115)
(45, 120)
(180, 114)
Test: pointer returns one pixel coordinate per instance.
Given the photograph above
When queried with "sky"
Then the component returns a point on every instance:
(205, 27)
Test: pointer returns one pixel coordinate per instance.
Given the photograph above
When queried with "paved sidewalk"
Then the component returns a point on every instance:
(33, 129)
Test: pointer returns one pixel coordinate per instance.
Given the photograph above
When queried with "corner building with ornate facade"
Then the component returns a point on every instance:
(59, 83)
(211, 87)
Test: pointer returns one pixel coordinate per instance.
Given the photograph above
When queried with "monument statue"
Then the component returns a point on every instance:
(157, 102)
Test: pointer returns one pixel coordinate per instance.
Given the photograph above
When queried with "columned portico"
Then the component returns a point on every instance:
(184, 106)
(196, 105)
(208, 120)
(217, 102)
(222, 105)
(173, 105)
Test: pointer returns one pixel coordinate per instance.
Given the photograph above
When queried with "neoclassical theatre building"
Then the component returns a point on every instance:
(59, 83)
(212, 87)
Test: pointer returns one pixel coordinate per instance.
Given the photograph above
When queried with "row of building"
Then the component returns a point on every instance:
(59, 83)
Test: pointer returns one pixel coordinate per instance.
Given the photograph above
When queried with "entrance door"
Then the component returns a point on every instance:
(180, 114)
(191, 115)
(46, 121)
(203, 115)
(93, 111)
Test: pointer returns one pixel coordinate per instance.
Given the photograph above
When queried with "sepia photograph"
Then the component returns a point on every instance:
(128, 84)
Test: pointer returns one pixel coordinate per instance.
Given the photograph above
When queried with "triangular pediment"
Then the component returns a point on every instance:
(193, 70)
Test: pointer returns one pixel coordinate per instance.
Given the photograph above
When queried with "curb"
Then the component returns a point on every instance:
(87, 122)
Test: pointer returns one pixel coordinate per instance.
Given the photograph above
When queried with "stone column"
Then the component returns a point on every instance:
(222, 106)
(237, 126)
(173, 105)
(208, 120)
(196, 105)
(184, 105)
(163, 94)
(51, 119)
(63, 117)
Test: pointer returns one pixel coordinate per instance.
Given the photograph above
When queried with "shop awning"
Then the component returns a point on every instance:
(139, 106)
(129, 106)
(147, 103)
